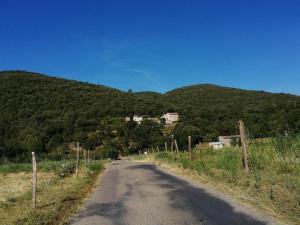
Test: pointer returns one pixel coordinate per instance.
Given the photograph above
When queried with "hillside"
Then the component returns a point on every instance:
(216, 109)
(41, 112)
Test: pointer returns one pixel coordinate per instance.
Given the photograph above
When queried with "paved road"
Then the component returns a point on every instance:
(141, 194)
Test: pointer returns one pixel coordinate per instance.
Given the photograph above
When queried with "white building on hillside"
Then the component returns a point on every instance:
(138, 119)
(224, 141)
(215, 145)
(170, 118)
(167, 118)
(227, 140)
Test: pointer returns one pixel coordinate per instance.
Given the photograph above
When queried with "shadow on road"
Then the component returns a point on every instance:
(203, 206)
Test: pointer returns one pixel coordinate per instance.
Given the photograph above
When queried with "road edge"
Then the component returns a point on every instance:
(214, 189)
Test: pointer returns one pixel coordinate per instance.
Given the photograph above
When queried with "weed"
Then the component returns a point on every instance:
(66, 169)
(11, 199)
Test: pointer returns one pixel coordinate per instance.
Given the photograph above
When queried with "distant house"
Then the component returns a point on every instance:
(215, 145)
(227, 140)
(136, 118)
(224, 141)
(170, 118)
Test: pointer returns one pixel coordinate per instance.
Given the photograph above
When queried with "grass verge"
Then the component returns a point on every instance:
(57, 196)
(272, 186)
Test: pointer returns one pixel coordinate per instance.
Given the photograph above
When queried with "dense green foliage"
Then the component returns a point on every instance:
(44, 113)
(215, 110)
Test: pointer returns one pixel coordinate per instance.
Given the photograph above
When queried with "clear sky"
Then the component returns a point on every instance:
(156, 45)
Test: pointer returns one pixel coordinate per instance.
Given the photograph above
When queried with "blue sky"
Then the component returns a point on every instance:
(156, 45)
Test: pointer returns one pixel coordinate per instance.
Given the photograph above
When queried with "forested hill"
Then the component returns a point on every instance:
(37, 111)
(36, 92)
(215, 109)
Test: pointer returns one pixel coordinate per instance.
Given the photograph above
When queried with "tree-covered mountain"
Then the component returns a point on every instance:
(215, 110)
(44, 113)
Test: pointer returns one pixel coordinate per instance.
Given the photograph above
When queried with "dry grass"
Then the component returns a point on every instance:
(56, 198)
(258, 198)
(13, 185)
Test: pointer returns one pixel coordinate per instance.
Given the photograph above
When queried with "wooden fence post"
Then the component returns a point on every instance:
(157, 148)
(85, 158)
(34, 180)
(172, 144)
(190, 146)
(88, 157)
(244, 144)
(166, 146)
(176, 146)
(77, 161)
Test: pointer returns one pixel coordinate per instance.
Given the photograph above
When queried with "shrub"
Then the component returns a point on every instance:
(66, 169)
(109, 153)
(95, 167)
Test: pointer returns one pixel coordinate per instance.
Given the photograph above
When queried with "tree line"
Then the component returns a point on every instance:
(47, 113)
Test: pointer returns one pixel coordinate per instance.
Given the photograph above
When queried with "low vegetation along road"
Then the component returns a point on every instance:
(141, 194)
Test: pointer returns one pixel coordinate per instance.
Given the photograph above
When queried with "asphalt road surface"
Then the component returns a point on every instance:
(142, 194)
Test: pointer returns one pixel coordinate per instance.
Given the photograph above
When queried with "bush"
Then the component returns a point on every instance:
(66, 169)
(95, 167)
(109, 153)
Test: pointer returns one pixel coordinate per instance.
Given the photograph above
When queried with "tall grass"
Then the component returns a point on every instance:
(57, 198)
(42, 166)
(274, 175)
(61, 168)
